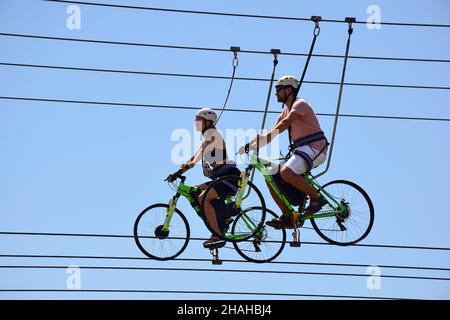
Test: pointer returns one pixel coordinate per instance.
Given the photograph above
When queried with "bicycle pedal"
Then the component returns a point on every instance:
(295, 244)
(215, 254)
(300, 223)
(296, 239)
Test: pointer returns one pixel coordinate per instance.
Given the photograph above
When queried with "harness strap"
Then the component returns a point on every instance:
(306, 141)
(309, 139)
(307, 158)
(206, 165)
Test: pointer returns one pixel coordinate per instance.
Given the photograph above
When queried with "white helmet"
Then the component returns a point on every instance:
(207, 114)
(287, 81)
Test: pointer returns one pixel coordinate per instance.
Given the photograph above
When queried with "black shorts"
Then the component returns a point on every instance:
(224, 189)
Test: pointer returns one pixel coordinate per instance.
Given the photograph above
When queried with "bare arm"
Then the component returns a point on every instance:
(276, 130)
(196, 157)
(192, 160)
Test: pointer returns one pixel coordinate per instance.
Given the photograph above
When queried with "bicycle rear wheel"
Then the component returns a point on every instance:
(155, 242)
(231, 185)
(352, 225)
(266, 245)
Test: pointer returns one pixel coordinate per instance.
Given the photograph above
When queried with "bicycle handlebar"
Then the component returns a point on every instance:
(246, 149)
(174, 176)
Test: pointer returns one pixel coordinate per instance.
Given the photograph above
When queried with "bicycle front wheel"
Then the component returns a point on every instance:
(229, 188)
(156, 243)
(354, 223)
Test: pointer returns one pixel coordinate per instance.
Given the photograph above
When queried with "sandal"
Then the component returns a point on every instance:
(314, 206)
(281, 222)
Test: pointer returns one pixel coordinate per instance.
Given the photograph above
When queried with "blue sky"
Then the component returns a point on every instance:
(92, 169)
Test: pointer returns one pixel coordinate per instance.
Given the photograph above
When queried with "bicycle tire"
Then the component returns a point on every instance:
(141, 247)
(371, 217)
(261, 204)
(272, 257)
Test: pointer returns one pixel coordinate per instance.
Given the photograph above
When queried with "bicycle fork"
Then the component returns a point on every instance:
(241, 191)
(240, 196)
(169, 212)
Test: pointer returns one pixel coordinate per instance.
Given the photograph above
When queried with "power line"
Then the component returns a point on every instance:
(161, 46)
(157, 106)
(203, 239)
(187, 75)
(201, 292)
(328, 264)
(240, 15)
(240, 271)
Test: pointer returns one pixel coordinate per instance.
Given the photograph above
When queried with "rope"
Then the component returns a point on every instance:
(341, 87)
(235, 64)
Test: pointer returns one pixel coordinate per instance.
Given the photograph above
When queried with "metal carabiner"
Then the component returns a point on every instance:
(275, 53)
(350, 21)
(235, 50)
(235, 62)
(316, 31)
(316, 20)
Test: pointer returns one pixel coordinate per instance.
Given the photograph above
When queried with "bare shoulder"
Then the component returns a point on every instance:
(301, 102)
(212, 134)
(301, 106)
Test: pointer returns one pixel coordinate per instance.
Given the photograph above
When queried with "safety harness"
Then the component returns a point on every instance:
(293, 145)
(206, 165)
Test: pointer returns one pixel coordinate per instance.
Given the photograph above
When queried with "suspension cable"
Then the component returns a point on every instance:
(316, 33)
(350, 21)
(235, 64)
(275, 53)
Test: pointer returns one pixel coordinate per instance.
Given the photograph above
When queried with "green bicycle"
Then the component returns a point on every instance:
(346, 219)
(162, 232)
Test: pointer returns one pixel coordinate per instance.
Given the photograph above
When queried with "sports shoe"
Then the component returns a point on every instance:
(214, 242)
(281, 222)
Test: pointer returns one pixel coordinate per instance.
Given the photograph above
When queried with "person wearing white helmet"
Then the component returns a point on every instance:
(308, 149)
(215, 164)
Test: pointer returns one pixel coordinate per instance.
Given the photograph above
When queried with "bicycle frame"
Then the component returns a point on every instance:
(262, 166)
(182, 190)
(185, 191)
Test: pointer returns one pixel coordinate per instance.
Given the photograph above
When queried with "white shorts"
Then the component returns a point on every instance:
(299, 165)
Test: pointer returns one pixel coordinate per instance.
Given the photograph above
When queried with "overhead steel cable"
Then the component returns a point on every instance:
(304, 263)
(199, 292)
(14, 233)
(178, 47)
(241, 15)
(177, 107)
(190, 75)
(240, 271)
